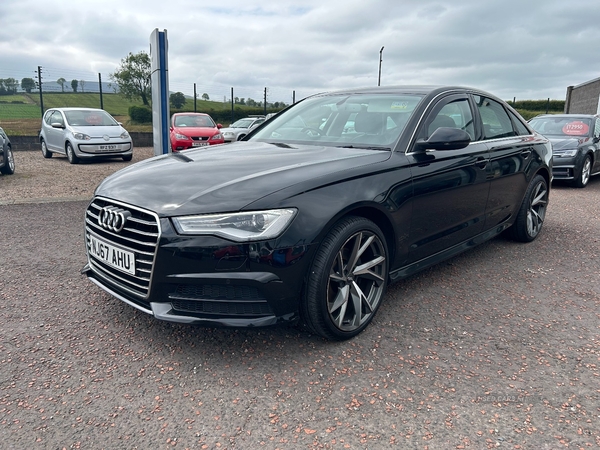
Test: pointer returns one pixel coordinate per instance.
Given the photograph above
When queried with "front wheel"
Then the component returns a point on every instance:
(45, 152)
(9, 162)
(532, 212)
(584, 175)
(347, 280)
(71, 156)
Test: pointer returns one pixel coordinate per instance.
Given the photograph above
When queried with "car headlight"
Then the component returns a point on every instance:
(181, 136)
(217, 136)
(81, 136)
(124, 135)
(567, 153)
(238, 227)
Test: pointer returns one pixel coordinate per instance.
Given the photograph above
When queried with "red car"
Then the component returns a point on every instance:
(190, 130)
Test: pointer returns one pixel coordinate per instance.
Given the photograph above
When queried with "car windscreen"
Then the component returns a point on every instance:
(83, 118)
(344, 120)
(562, 126)
(242, 123)
(194, 121)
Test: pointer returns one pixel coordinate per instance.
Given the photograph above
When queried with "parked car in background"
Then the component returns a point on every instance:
(322, 217)
(84, 133)
(240, 128)
(190, 130)
(576, 145)
(7, 159)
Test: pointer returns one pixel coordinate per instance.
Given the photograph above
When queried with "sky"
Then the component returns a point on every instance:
(523, 49)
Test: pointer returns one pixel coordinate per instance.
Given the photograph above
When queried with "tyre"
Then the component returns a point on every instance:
(71, 156)
(347, 280)
(9, 162)
(532, 212)
(127, 158)
(584, 175)
(45, 152)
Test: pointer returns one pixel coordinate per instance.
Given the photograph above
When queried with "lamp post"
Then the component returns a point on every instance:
(380, 59)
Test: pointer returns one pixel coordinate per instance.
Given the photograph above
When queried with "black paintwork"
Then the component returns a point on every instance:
(430, 205)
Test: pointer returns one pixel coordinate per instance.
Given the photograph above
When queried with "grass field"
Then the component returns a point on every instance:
(20, 114)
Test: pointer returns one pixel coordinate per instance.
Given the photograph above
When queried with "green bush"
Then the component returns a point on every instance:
(140, 114)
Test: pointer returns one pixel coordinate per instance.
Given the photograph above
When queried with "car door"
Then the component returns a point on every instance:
(55, 136)
(450, 187)
(511, 155)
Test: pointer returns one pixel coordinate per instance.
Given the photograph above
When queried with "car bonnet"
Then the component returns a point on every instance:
(229, 177)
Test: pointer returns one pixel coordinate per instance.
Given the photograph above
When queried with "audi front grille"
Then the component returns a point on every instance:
(130, 230)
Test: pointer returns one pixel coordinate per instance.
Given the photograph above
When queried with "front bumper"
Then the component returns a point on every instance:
(104, 149)
(565, 168)
(207, 281)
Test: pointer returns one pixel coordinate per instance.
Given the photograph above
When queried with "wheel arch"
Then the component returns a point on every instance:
(373, 214)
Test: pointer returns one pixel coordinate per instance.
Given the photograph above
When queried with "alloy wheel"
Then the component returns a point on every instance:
(356, 281)
(537, 208)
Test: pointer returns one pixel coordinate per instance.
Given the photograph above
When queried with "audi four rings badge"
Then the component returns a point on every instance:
(113, 218)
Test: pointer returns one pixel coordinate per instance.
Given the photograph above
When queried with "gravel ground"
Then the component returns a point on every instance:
(37, 179)
(496, 348)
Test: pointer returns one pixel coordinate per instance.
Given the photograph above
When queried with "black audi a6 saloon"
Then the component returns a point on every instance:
(316, 211)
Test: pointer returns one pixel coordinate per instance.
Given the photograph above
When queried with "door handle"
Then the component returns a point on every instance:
(481, 162)
(526, 154)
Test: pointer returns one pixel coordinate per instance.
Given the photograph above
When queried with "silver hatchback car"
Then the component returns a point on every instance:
(83, 133)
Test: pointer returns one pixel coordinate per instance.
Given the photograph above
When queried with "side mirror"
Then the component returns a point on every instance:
(57, 125)
(219, 126)
(444, 138)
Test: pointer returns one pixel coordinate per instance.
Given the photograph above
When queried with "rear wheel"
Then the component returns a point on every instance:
(347, 280)
(45, 152)
(9, 162)
(584, 175)
(71, 156)
(532, 212)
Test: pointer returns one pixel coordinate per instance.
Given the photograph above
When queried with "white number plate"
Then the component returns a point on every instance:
(199, 144)
(108, 147)
(113, 256)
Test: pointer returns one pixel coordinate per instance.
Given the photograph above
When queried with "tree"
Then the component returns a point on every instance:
(205, 96)
(177, 99)
(74, 84)
(81, 83)
(27, 84)
(132, 77)
(62, 82)
(8, 86)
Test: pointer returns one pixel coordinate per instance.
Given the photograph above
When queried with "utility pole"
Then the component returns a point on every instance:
(380, 59)
(100, 89)
(265, 108)
(39, 71)
(195, 95)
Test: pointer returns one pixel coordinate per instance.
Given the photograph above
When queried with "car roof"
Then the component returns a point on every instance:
(190, 114)
(71, 108)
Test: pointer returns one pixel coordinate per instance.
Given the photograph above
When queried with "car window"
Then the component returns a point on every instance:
(454, 114)
(522, 130)
(343, 120)
(561, 125)
(495, 120)
(597, 128)
(90, 118)
(57, 118)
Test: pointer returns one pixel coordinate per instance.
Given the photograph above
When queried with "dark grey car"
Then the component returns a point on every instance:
(7, 160)
(575, 145)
